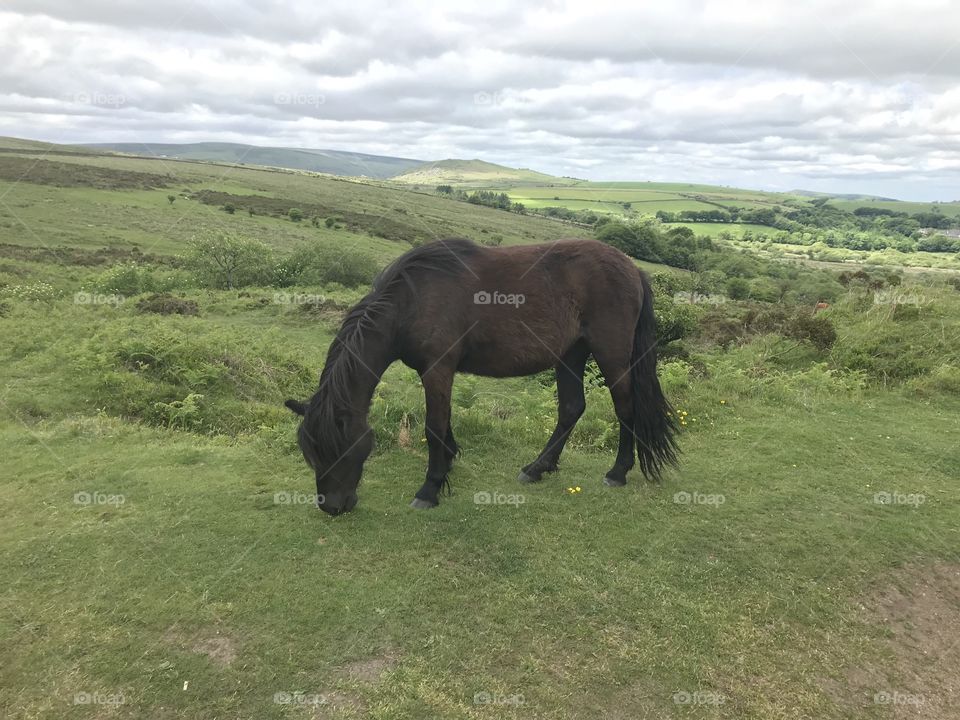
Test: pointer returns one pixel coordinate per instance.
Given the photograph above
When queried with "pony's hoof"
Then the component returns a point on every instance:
(526, 479)
(613, 482)
(422, 504)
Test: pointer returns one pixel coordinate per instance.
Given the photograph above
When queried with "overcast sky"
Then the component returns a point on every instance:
(838, 96)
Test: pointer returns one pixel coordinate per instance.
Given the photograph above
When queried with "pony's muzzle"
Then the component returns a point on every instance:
(335, 505)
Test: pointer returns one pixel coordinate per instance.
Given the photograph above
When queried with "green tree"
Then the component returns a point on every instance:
(228, 261)
(171, 198)
(295, 214)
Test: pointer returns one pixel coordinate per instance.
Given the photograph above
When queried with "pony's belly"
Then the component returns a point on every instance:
(502, 362)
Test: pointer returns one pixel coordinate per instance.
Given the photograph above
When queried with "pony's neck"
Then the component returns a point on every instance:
(353, 371)
(367, 370)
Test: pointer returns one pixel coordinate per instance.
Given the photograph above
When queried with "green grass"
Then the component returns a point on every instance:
(202, 595)
(587, 604)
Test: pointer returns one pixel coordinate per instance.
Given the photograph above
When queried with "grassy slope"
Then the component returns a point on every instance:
(80, 216)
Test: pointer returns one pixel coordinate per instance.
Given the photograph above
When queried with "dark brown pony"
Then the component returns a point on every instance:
(453, 306)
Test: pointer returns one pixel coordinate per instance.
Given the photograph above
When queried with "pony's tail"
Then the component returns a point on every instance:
(654, 421)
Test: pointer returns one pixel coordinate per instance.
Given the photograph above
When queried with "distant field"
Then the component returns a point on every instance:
(640, 197)
(951, 209)
(715, 229)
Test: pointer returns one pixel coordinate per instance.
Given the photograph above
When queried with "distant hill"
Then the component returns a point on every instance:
(20, 145)
(475, 172)
(334, 162)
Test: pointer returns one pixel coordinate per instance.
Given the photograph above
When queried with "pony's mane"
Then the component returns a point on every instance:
(322, 435)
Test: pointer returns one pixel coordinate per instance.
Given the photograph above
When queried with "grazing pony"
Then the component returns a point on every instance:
(453, 306)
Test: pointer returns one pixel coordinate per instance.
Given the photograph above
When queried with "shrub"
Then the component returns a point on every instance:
(674, 320)
(166, 304)
(34, 292)
(229, 261)
(818, 330)
(133, 278)
(319, 264)
(295, 214)
(737, 288)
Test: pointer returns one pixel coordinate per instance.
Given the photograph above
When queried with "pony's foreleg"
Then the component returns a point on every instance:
(570, 406)
(437, 386)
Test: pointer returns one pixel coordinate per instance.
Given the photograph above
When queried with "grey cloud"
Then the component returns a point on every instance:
(863, 94)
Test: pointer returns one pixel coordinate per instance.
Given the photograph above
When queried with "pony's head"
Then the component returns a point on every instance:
(336, 449)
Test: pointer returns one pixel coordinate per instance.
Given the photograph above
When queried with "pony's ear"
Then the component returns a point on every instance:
(298, 407)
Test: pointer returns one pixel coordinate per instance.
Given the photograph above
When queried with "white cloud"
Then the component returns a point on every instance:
(862, 96)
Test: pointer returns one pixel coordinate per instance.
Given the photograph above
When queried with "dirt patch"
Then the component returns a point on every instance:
(216, 645)
(918, 612)
(369, 670)
(219, 648)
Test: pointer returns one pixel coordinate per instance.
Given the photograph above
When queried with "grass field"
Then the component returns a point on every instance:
(950, 209)
(646, 198)
(162, 559)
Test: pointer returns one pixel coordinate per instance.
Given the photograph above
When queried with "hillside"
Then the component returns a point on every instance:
(475, 173)
(93, 200)
(333, 162)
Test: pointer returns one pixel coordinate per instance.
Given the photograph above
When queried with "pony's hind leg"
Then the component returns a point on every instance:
(570, 406)
(616, 372)
(437, 386)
